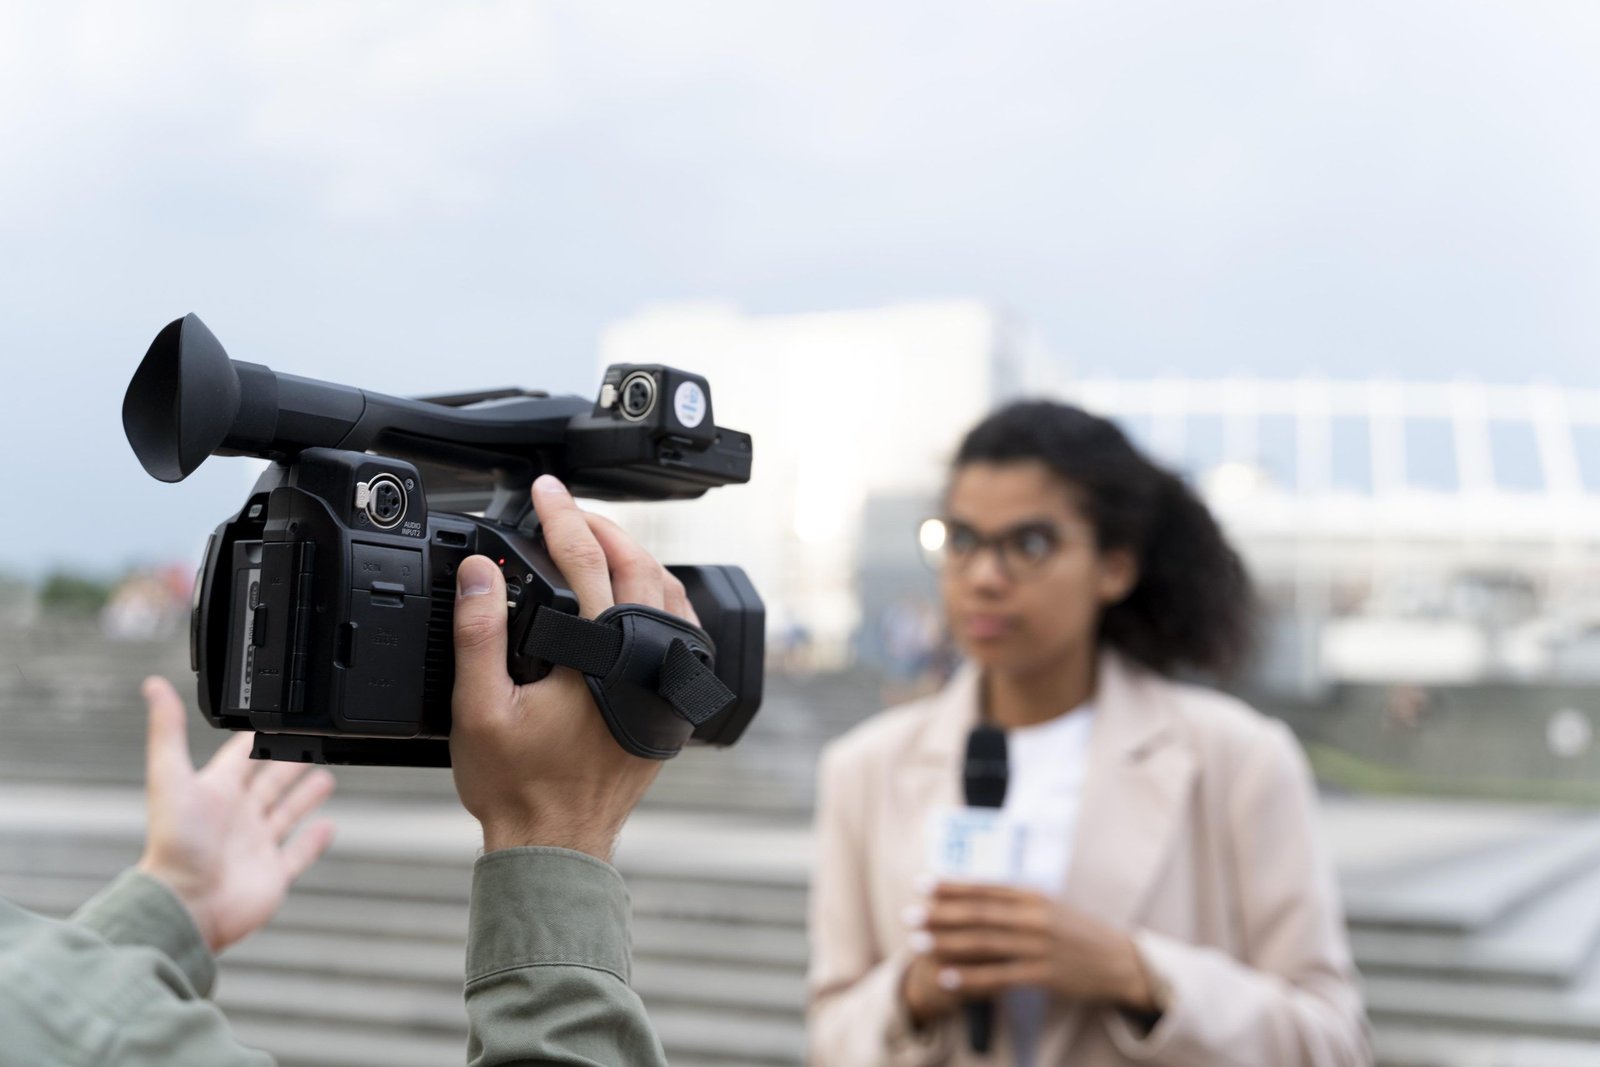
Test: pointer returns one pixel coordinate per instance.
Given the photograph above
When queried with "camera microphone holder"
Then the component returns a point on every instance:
(651, 674)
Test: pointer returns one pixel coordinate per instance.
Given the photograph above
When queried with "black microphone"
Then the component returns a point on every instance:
(984, 777)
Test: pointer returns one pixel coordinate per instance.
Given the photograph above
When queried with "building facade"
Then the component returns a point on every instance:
(846, 407)
(1417, 532)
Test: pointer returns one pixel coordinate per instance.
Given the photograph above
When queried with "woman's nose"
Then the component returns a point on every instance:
(986, 570)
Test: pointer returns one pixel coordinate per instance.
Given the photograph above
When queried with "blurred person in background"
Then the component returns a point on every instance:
(911, 639)
(1193, 918)
(125, 981)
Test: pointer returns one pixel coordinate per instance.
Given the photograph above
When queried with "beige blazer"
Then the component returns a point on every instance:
(1197, 833)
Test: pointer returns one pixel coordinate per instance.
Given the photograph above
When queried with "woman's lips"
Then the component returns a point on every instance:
(987, 627)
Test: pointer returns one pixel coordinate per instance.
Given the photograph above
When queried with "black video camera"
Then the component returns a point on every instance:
(323, 611)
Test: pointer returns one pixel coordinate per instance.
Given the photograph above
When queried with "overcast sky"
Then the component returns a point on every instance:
(438, 196)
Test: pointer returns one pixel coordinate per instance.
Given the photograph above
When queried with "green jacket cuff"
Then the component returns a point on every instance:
(136, 909)
(534, 907)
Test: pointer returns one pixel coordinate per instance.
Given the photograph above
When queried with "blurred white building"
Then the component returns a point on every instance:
(845, 407)
(1401, 531)
(1424, 532)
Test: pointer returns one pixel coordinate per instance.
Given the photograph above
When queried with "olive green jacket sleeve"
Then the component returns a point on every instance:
(125, 981)
(548, 964)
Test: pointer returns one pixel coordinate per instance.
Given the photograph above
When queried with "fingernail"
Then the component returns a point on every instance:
(914, 915)
(475, 577)
(920, 941)
(925, 883)
(548, 483)
(950, 979)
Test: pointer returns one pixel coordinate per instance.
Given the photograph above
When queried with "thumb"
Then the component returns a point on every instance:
(167, 748)
(480, 630)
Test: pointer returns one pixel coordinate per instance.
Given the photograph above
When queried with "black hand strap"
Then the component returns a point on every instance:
(642, 666)
(568, 641)
(690, 686)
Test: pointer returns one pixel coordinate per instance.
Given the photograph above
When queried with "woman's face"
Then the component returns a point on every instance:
(1023, 580)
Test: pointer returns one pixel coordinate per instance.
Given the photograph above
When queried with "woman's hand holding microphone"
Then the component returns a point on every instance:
(974, 942)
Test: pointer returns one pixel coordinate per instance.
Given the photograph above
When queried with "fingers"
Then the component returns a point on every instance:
(307, 847)
(167, 746)
(678, 600)
(308, 794)
(482, 684)
(167, 753)
(272, 778)
(636, 577)
(969, 923)
(232, 760)
(978, 945)
(952, 906)
(631, 574)
(980, 981)
(573, 546)
(974, 891)
(960, 914)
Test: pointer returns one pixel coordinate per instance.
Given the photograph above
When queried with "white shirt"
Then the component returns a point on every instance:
(1047, 766)
(1048, 763)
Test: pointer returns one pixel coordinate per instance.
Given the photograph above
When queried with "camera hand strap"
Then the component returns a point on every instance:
(651, 674)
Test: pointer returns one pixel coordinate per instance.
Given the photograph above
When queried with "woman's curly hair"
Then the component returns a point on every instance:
(1192, 607)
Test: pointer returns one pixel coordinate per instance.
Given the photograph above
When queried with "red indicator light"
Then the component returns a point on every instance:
(502, 561)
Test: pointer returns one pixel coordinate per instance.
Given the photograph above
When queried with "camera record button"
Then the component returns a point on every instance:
(372, 566)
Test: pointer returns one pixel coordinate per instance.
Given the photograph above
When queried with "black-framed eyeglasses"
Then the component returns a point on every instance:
(1021, 550)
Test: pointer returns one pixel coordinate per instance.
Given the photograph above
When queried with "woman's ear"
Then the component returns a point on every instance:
(1119, 573)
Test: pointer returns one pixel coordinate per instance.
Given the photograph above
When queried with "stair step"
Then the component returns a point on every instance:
(404, 1007)
(48, 894)
(1547, 941)
(347, 958)
(1405, 1046)
(1465, 1006)
(718, 903)
(302, 1044)
(710, 942)
(261, 1003)
(742, 985)
(720, 1038)
(738, 989)
(1471, 890)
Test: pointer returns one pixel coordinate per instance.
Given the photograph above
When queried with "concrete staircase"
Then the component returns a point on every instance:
(1478, 950)
(70, 712)
(1486, 955)
(363, 966)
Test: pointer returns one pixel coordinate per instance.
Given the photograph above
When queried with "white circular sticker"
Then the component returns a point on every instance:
(690, 404)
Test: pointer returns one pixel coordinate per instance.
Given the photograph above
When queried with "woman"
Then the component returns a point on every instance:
(1194, 920)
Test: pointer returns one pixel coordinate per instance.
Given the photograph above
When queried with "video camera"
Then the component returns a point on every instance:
(323, 611)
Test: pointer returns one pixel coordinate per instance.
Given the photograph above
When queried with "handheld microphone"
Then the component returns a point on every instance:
(984, 776)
